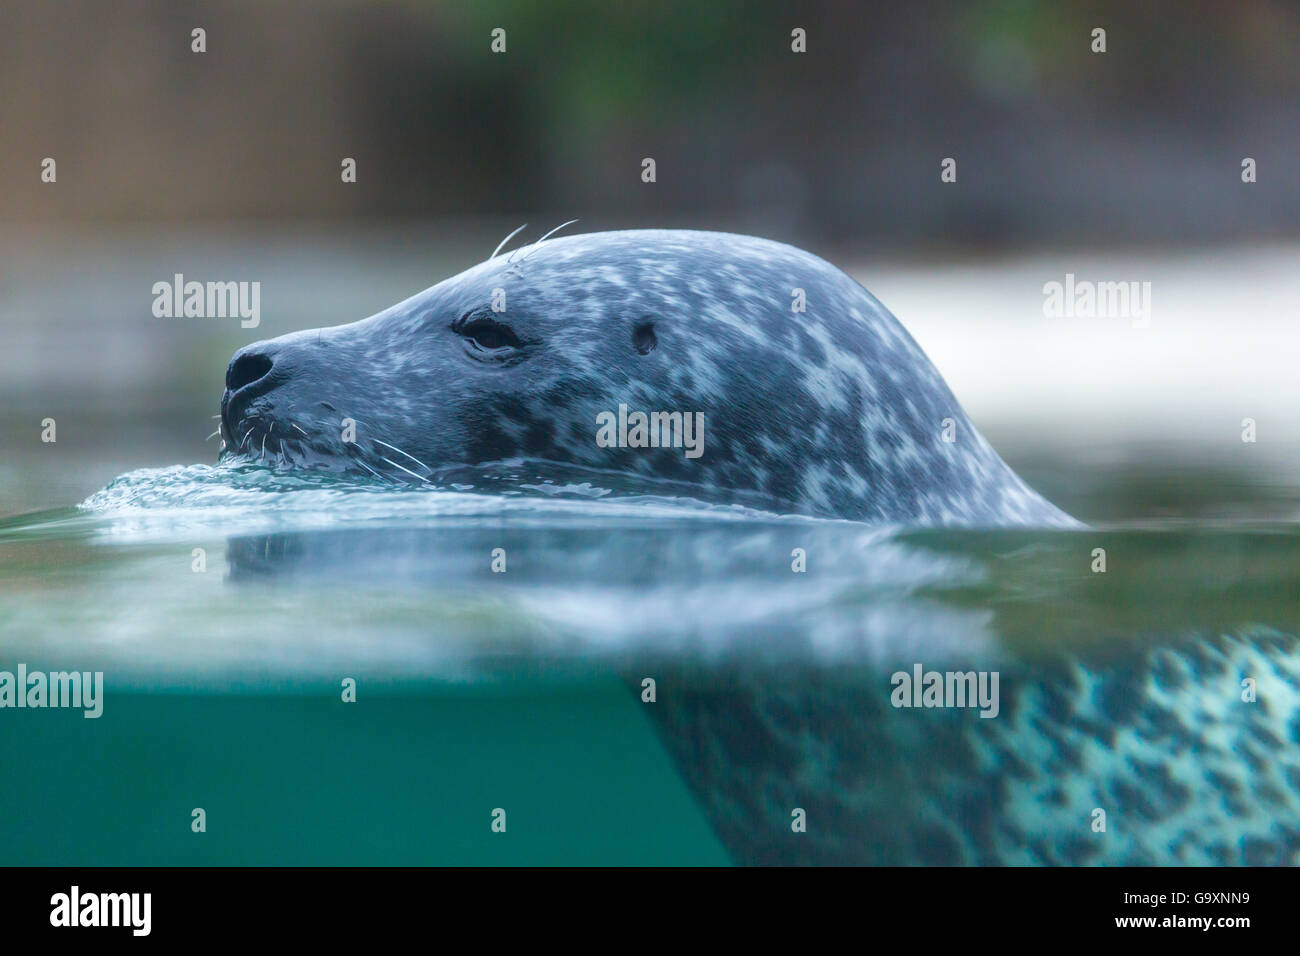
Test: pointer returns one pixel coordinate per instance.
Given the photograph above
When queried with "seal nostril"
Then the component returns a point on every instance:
(643, 338)
(245, 370)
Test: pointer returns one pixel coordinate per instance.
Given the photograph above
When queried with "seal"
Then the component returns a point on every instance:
(771, 375)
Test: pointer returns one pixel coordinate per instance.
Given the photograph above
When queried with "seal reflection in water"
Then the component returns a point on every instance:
(786, 383)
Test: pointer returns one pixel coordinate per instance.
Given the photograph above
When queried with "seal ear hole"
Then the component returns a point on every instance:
(644, 339)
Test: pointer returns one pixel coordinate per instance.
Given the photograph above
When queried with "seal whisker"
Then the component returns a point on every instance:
(547, 236)
(213, 435)
(369, 469)
(400, 452)
(407, 470)
(505, 240)
(516, 252)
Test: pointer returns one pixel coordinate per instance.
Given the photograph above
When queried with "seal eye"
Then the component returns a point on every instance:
(486, 335)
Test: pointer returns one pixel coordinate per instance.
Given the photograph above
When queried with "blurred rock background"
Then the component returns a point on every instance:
(839, 144)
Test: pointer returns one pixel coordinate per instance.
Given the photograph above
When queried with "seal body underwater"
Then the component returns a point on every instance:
(808, 393)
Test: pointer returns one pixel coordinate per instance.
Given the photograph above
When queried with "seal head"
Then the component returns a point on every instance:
(807, 393)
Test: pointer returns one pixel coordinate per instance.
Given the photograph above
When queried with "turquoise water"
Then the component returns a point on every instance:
(405, 776)
(226, 606)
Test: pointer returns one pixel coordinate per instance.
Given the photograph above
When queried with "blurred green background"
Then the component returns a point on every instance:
(840, 144)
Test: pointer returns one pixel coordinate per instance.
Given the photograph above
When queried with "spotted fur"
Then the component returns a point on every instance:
(834, 411)
(1187, 772)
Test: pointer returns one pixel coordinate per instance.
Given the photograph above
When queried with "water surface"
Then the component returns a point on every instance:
(226, 605)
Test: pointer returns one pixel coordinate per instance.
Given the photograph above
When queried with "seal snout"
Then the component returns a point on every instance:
(246, 368)
(254, 371)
